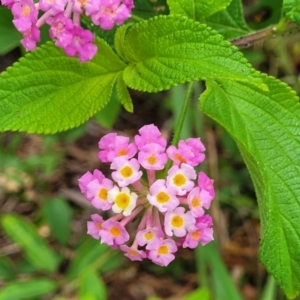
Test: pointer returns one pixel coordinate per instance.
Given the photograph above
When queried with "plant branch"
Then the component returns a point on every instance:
(264, 34)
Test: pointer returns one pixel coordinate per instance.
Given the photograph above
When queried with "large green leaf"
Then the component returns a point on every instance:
(266, 127)
(230, 21)
(25, 235)
(196, 10)
(30, 289)
(167, 50)
(47, 91)
(291, 8)
(9, 36)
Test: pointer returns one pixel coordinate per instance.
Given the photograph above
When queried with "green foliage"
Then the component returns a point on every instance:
(199, 293)
(9, 37)
(30, 289)
(91, 253)
(48, 92)
(197, 10)
(36, 250)
(265, 126)
(57, 214)
(6, 269)
(230, 21)
(221, 281)
(182, 50)
(91, 286)
(291, 8)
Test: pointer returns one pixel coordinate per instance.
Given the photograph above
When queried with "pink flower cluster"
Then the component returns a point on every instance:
(63, 16)
(166, 212)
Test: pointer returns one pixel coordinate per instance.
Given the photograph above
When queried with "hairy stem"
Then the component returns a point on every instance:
(266, 33)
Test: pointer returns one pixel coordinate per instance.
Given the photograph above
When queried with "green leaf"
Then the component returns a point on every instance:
(109, 114)
(92, 253)
(47, 91)
(265, 125)
(9, 36)
(222, 283)
(25, 235)
(196, 10)
(166, 51)
(6, 269)
(57, 214)
(124, 95)
(291, 8)
(230, 21)
(29, 289)
(91, 286)
(200, 293)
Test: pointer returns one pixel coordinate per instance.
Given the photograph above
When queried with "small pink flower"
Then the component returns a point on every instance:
(113, 146)
(57, 6)
(30, 38)
(95, 226)
(109, 13)
(148, 236)
(86, 178)
(127, 171)
(181, 178)
(149, 134)
(178, 222)
(164, 198)
(81, 44)
(97, 193)
(61, 30)
(25, 15)
(202, 234)
(197, 200)
(113, 233)
(161, 252)
(152, 157)
(205, 183)
(188, 152)
(133, 253)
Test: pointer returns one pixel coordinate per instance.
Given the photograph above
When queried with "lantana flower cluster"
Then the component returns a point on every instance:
(150, 216)
(63, 17)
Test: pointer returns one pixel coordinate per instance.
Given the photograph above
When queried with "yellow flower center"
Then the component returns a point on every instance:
(196, 235)
(162, 197)
(115, 231)
(179, 158)
(149, 235)
(26, 10)
(152, 160)
(103, 194)
(163, 250)
(126, 172)
(179, 180)
(177, 221)
(122, 200)
(196, 202)
(122, 152)
(99, 225)
(133, 252)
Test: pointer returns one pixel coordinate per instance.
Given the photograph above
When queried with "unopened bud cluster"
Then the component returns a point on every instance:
(63, 17)
(162, 213)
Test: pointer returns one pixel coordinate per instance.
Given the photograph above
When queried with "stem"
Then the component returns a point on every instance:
(181, 119)
(266, 33)
(182, 114)
(136, 18)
